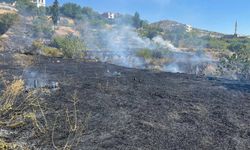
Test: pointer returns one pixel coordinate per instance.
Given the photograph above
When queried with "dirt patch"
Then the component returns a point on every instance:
(63, 31)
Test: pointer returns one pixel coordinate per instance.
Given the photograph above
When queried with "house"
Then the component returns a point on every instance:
(110, 15)
(39, 3)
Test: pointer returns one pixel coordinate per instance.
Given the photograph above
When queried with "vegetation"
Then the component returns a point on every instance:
(72, 10)
(89, 13)
(137, 22)
(7, 20)
(70, 45)
(46, 50)
(237, 63)
(146, 53)
(51, 52)
(55, 12)
(20, 109)
(236, 46)
(26, 7)
(41, 27)
(150, 32)
(218, 44)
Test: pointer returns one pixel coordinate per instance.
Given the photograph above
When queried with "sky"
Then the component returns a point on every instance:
(213, 15)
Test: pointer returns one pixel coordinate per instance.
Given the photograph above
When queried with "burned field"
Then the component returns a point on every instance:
(125, 108)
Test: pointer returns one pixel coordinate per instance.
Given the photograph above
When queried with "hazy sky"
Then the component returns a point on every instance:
(214, 15)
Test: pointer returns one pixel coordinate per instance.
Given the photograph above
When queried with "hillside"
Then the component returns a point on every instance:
(92, 83)
(123, 108)
(173, 26)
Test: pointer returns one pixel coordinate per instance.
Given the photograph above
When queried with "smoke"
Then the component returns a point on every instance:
(188, 62)
(117, 44)
(164, 43)
(36, 79)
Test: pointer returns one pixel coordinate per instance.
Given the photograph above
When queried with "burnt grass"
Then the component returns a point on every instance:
(140, 109)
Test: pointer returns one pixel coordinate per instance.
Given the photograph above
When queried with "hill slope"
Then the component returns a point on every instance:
(173, 26)
(138, 109)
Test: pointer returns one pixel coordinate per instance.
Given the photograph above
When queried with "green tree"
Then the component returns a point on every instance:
(41, 27)
(6, 20)
(55, 12)
(137, 23)
(90, 13)
(26, 7)
(72, 10)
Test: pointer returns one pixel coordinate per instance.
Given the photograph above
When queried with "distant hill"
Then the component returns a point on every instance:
(173, 26)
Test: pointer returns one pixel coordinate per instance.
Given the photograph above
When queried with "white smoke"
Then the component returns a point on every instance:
(118, 44)
(164, 43)
(188, 62)
(36, 79)
(123, 38)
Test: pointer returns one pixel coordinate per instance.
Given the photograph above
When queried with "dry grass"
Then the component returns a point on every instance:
(19, 109)
(51, 52)
(63, 31)
(10, 95)
(75, 125)
(7, 146)
(23, 60)
(3, 11)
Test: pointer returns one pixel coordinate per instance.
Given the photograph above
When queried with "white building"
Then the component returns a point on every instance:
(39, 3)
(110, 15)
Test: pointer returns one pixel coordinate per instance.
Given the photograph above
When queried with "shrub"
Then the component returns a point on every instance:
(70, 45)
(152, 54)
(150, 32)
(46, 50)
(37, 45)
(144, 53)
(236, 46)
(7, 20)
(51, 52)
(217, 44)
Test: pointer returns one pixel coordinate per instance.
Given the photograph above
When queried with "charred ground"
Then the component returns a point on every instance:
(139, 109)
